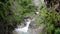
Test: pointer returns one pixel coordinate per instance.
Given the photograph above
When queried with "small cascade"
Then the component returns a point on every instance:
(24, 29)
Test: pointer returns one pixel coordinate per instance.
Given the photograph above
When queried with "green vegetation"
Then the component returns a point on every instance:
(12, 12)
(51, 18)
(57, 31)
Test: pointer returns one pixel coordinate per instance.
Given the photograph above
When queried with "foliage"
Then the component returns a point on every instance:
(23, 8)
(48, 17)
(13, 12)
(57, 31)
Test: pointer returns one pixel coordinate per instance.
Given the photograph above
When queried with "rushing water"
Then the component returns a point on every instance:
(24, 30)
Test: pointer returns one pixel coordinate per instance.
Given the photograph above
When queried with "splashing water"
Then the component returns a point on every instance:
(24, 29)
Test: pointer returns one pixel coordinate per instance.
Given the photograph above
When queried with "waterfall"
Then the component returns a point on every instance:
(24, 30)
